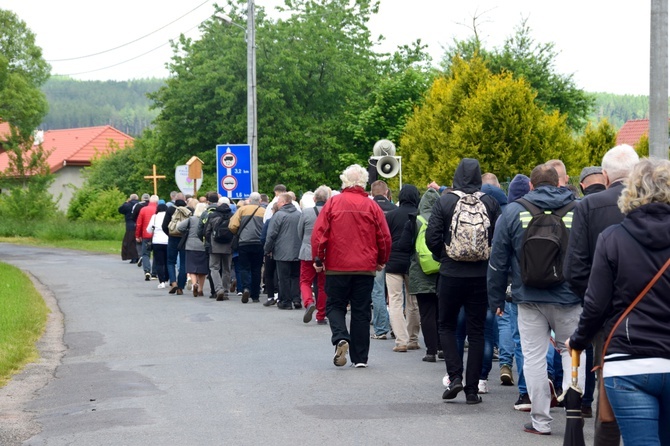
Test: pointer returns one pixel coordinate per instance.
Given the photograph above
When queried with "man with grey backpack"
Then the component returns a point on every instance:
(460, 230)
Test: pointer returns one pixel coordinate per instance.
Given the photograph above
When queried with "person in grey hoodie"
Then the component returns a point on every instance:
(540, 310)
(284, 243)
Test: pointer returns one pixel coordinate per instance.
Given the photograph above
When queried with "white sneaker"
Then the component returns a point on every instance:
(162, 285)
(189, 284)
(483, 386)
(445, 380)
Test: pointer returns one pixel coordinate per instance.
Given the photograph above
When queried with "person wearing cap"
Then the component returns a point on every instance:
(592, 215)
(592, 180)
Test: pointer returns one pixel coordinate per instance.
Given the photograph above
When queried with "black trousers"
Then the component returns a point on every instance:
(354, 290)
(288, 274)
(469, 293)
(428, 312)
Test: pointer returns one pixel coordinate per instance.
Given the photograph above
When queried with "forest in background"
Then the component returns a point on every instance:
(121, 104)
(125, 105)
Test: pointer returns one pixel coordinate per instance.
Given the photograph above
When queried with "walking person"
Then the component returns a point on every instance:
(353, 241)
(143, 236)
(463, 271)
(197, 260)
(247, 224)
(307, 271)
(177, 276)
(628, 255)
(218, 239)
(129, 246)
(159, 242)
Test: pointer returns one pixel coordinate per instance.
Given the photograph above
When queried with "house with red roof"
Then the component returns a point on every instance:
(631, 132)
(69, 151)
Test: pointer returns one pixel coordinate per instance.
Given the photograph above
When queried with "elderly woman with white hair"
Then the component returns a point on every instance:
(628, 293)
(351, 241)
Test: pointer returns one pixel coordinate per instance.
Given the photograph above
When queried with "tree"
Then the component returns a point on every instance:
(595, 142)
(525, 58)
(22, 72)
(311, 67)
(491, 117)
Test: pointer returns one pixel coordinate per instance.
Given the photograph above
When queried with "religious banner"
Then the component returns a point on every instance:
(184, 182)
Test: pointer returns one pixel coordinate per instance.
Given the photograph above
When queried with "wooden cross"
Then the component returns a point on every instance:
(155, 178)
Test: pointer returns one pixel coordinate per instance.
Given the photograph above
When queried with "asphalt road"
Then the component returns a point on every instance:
(124, 363)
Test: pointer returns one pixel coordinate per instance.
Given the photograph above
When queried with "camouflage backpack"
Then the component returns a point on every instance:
(469, 230)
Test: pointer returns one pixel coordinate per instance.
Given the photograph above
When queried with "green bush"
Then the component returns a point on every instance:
(31, 202)
(80, 201)
(93, 204)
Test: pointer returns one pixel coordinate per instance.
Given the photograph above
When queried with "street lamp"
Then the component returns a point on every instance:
(252, 116)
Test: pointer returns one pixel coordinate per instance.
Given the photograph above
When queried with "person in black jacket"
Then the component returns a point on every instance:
(405, 324)
(129, 246)
(379, 191)
(461, 284)
(593, 214)
(628, 255)
(177, 278)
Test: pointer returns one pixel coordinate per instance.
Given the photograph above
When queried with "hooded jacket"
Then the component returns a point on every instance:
(396, 219)
(221, 211)
(506, 252)
(282, 238)
(419, 282)
(143, 220)
(467, 179)
(627, 257)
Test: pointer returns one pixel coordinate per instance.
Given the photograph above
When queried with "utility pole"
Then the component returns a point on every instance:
(658, 80)
(252, 115)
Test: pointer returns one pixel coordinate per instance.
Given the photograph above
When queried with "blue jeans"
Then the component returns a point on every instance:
(518, 353)
(250, 261)
(174, 255)
(506, 337)
(490, 338)
(380, 315)
(146, 256)
(641, 405)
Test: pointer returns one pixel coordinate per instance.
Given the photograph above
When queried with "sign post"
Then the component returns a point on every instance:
(233, 170)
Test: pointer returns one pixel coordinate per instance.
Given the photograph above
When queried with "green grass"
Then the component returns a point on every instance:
(23, 315)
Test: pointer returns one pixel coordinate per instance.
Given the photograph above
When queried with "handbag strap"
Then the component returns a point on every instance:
(639, 297)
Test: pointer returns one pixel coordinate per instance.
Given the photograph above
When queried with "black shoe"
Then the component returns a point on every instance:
(528, 427)
(269, 302)
(255, 301)
(454, 389)
(297, 305)
(429, 358)
(139, 263)
(245, 296)
(440, 355)
(587, 412)
(283, 306)
(133, 261)
(307, 318)
(147, 277)
(473, 398)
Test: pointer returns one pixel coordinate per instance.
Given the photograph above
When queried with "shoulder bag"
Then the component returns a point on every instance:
(236, 238)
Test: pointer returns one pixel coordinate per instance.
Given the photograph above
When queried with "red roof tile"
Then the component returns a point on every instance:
(77, 146)
(631, 132)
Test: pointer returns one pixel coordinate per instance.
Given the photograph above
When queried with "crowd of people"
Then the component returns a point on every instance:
(532, 272)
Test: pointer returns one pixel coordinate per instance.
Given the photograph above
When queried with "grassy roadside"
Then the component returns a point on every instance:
(102, 246)
(23, 316)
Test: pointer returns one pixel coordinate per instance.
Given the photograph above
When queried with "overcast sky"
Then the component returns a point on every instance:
(603, 43)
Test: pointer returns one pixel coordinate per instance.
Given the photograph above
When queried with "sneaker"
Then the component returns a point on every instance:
(361, 365)
(413, 346)
(221, 295)
(154, 277)
(506, 377)
(341, 350)
(473, 398)
(189, 284)
(429, 358)
(147, 277)
(284, 306)
(309, 311)
(453, 390)
(528, 427)
(269, 302)
(400, 348)
(162, 285)
(440, 355)
(239, 293)
(245, 296)
(322, 322)
(523, 403)
(382, 336)
(552, 394)
(445, 380)
(483, 386)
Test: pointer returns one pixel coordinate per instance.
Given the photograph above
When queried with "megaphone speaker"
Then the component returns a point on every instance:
(388, 166)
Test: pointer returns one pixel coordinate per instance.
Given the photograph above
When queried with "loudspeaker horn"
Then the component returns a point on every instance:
(388, 166)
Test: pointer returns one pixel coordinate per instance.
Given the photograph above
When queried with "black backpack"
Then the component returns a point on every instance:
(219, 223)
(544, 244)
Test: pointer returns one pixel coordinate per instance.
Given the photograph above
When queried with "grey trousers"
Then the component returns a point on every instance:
(536, 321)
(219, 268)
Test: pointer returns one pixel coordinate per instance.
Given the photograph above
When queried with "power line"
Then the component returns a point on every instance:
(127, 60)
(132, 41)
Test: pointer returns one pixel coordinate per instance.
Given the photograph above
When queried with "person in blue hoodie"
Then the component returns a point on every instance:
(540, 310)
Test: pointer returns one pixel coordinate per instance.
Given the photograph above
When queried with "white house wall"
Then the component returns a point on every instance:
(67, 181)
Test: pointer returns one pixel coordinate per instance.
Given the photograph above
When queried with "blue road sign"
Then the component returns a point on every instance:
(233, 170)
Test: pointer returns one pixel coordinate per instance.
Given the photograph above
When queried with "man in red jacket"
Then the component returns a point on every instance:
(351, 242)
(141, 234)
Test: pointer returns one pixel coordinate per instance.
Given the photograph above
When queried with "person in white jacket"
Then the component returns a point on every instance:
(159, 241)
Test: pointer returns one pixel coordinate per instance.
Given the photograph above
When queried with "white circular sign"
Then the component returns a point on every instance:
(228, 160)
(229, 183)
